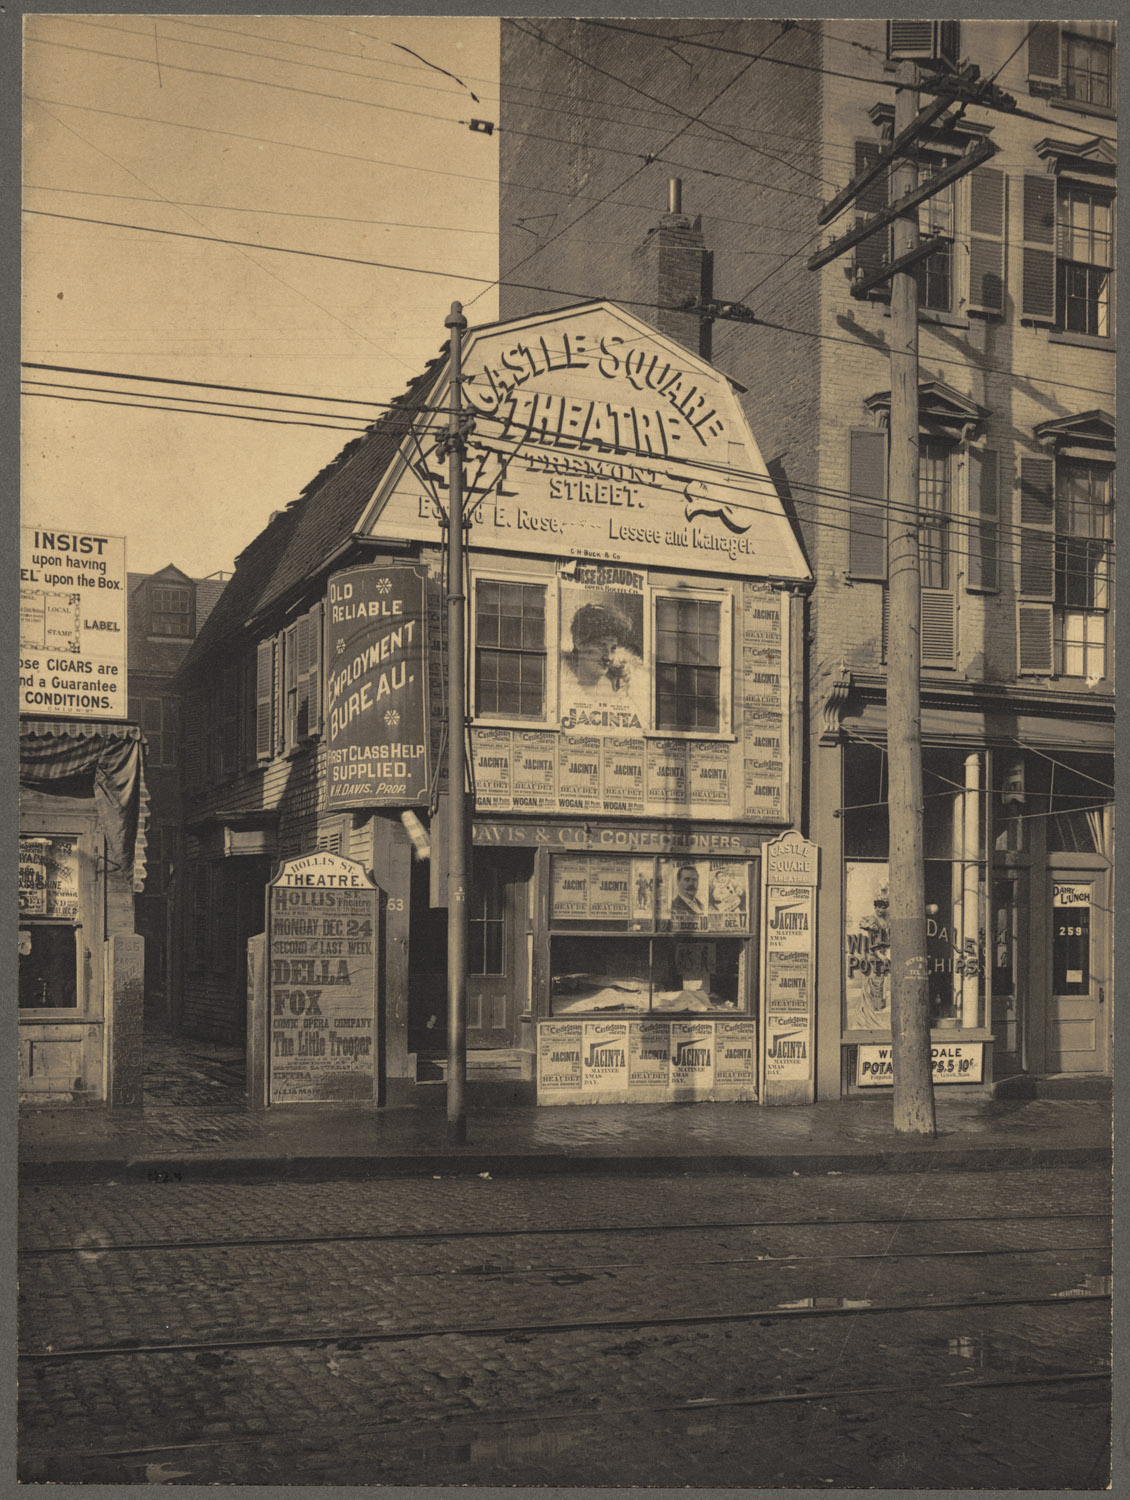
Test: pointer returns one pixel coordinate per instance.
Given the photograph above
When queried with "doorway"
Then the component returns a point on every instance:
(498, 981)
(1077, 1022)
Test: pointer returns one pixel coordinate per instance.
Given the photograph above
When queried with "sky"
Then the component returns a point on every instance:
(320, 135)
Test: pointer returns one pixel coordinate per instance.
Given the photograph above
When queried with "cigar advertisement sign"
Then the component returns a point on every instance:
(790, 875)
(376, 711)
(646, 1061)
(322, 982)
(72, 624)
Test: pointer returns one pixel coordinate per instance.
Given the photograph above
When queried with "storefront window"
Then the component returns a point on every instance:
(649, 935)
(48, 966)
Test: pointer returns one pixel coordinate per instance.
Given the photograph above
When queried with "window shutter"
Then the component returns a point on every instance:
(265, 701)
(871, 253)
(1034, 638)
(938, 627)
(867, 540)
(302, 689)
(986, 240)
(1043, 53)
(1038, 294)
(984, 519)
(1037, 529)
(314, 673)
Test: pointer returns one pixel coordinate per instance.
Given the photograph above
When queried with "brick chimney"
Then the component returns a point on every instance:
(671, 266)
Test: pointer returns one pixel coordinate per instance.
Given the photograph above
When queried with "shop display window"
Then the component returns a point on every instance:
(48, 966)
(646, 935)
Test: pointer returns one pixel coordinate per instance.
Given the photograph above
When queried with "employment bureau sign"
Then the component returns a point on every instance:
(376, 688)
(596, 438)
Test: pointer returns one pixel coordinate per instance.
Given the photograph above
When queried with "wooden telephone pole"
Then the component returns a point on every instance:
(456, 748)
(910, 995)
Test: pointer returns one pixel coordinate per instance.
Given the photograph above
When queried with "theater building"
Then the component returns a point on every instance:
(635, 678)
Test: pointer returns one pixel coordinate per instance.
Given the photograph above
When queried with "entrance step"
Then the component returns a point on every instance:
(1054, 1086)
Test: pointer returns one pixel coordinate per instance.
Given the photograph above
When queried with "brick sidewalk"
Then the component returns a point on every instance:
(226, 1141)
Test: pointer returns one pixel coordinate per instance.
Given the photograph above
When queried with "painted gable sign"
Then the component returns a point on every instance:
(597, 438)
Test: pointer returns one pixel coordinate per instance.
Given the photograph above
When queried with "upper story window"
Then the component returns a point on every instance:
(1084, 261)
(1088, 70)
(171, 611)
(936, 217)
(1066, 527)
(972, 208)
(1083, 513)
(934, 504)
(1073, 64)
(510, 649)
(688, 664)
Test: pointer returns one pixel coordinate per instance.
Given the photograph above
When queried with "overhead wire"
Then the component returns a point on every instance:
(639, 170)
(296, 291)
(953, 523)
(578, 296)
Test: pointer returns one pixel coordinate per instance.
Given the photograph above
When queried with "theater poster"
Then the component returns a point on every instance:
(604, 686)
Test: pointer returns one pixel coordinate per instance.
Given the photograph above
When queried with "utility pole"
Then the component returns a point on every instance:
(910, 995)
(456, 748)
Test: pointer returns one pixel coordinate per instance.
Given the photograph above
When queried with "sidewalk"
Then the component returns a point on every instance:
(223, 1141)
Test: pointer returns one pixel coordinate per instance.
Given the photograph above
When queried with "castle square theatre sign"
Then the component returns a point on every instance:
(596, 438)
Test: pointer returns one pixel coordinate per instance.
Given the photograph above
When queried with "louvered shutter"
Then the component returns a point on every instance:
(871, 253)
(302, 686)
(314, 673)
(1037, 529)
(938, 627)
(867, 540)
(1038, 291)
(1035, 619)
(265, 701)
(984, 519)
(1043, 53)
(1034, 638)
(986, 240)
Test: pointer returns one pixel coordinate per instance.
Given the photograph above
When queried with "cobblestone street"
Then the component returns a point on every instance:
(931, 1330)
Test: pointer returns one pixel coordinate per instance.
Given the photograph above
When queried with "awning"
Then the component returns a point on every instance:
(976, 728)
(86, 758)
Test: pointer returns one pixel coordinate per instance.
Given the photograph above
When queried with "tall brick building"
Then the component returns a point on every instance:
(763, 122)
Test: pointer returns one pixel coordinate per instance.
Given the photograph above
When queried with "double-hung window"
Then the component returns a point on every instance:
(1082, 542)
(935, 509)
(688, 664)
(1067, 508)
(936, 217)
(1074, 64)
(1084, 261)
(510, 649)
(171, 611)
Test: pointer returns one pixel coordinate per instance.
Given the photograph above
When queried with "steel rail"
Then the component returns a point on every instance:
(450, 1421)
(773, 1313)
(400, 1235)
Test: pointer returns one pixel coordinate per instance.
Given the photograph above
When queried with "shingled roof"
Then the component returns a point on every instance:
(297, 541)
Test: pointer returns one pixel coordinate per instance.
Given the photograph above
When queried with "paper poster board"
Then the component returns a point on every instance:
(322, 928)
(646, 1061)
(48, 876)
(73, 605)
(790, 874)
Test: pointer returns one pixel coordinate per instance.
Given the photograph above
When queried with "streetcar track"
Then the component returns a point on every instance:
(573, 1325)
(400, 1235)
(410, 1426)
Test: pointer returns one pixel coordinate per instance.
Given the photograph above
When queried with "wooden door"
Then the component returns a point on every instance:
(496, 946)
(1077, 1019)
